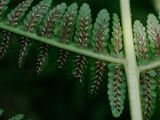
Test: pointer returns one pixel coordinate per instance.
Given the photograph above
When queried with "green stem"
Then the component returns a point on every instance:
(54, 42)
(131, 68)
(149, 66)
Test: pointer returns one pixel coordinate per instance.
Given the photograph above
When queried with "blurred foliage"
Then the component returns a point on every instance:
(53, 96)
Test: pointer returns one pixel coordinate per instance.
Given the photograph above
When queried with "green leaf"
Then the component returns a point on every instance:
(18, 12)
(149, 93)
(34, 17)
(99, 42)
(116, 47)
(101, 32)
(52, 20)
(83, 27)
(153, 28)
(97, 74)
(141, 41)
(116, 88)
(68, 22)
(4, 43)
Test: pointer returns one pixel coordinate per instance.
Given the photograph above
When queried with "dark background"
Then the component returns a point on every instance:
(53, 96)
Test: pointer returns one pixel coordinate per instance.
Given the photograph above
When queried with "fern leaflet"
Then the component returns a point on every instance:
(82, 37)
(116, 74)
(99, 43)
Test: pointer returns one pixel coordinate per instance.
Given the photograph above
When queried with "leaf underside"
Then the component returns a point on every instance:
(72, 26)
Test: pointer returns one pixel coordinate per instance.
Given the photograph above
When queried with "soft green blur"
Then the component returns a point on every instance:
(157, 5)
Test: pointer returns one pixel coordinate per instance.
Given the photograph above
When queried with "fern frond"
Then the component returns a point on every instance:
(3, 6)
(82, 37)
(50, 22)
(33, 18)
(116, 74)
(85, 43)
(140, 41)
(99, 43)
(67, 32)
(148, 82)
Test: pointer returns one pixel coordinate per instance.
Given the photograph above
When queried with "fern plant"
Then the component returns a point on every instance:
(101, 53)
